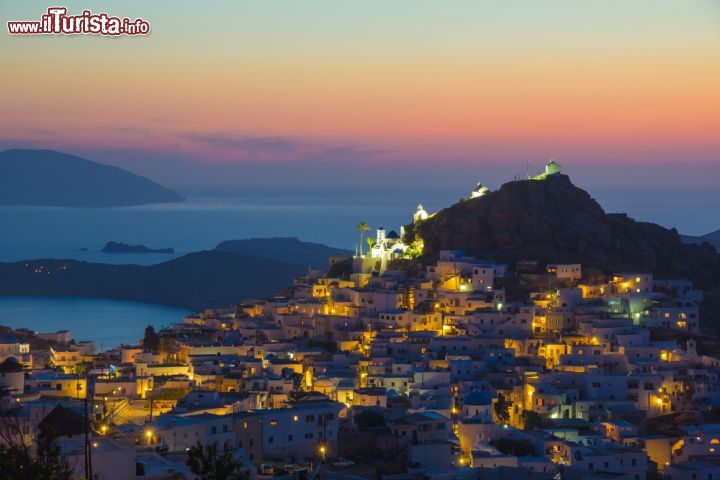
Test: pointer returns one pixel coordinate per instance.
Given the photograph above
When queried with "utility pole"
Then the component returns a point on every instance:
(87, 442)
(88, 450)
(89, 447)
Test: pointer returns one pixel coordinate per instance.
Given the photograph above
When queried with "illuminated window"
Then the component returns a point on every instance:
(273, 423)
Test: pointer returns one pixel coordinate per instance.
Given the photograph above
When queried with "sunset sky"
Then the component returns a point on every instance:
(224, 89)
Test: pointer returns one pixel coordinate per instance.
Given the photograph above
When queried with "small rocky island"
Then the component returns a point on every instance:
(120, 247)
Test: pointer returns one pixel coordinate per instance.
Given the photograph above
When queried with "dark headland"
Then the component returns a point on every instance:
(198, 280)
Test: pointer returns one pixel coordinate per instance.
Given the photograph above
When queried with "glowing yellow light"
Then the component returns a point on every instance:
(322, 449)
(149, 434)
(103, 429)
(295, 418)
(659, 401)
(95, 444)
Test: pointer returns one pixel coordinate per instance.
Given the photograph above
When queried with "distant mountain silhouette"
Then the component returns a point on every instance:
(713, 238)
(46, 177)
(195, 281)
(285, 249)
(215, 278)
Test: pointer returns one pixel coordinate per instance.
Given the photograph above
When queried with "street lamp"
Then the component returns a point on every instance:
(103, 429)
(149, 435)
(323, 452)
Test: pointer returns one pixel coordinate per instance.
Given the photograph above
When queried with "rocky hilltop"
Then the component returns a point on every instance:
(552, 220)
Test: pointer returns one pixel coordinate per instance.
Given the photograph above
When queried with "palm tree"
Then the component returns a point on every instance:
(370, 242)
(362, 228)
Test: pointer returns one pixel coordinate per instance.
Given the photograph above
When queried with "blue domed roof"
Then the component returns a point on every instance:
(477, 398)
(392, 234)
(10, 365)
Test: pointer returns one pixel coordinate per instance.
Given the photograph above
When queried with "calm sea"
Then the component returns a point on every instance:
(108, 322)
(197, 224)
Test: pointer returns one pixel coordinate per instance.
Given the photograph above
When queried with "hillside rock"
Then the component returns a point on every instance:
(552, 220)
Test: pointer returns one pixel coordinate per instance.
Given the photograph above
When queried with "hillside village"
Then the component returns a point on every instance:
(377, 371)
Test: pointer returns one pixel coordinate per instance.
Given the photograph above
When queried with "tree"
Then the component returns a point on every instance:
(209, 464)
(165, 394)
(18, 461)
(502, 409)
(518, 448)
(530, 420)
(340, 269)
(368, 419)
(166, 344)
(151, 340)
(362, 228)
(49, 462)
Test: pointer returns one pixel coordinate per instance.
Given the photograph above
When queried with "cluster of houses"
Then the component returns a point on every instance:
(440, 375)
